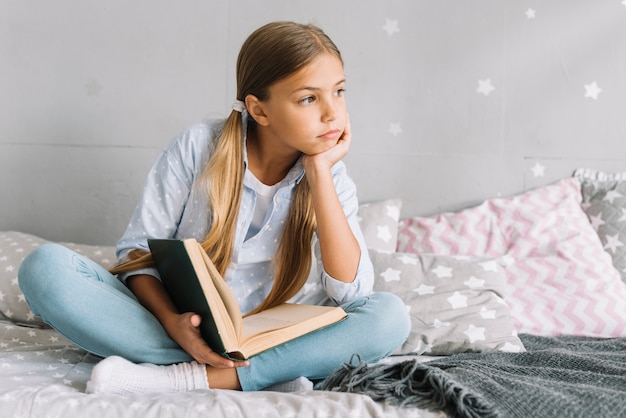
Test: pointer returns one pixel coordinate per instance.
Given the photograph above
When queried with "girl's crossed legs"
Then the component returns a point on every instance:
(93, 309)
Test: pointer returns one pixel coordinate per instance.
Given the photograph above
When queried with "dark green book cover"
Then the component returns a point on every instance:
(181, 282)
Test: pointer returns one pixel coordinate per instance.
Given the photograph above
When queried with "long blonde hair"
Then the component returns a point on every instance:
(271, 53)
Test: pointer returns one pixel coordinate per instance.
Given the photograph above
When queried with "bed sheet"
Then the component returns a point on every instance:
(44, 375)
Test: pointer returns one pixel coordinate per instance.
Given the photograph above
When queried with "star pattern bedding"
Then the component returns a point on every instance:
(44, 375)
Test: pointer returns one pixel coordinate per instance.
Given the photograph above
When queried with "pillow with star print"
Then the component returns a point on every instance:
(456, 303)
(379, 223)
(560, 281)
(14, 247)
(604, 202)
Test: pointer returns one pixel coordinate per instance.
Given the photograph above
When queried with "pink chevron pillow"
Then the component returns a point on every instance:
(560, 280)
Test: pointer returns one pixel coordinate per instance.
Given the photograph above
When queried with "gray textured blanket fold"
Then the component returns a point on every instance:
(556, 377)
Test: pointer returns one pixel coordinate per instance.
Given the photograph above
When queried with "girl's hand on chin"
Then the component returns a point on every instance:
(328, 158)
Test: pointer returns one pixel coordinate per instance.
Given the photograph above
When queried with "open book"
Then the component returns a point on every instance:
(195, 285)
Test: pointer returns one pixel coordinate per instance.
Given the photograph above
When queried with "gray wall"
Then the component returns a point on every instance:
(91, 90)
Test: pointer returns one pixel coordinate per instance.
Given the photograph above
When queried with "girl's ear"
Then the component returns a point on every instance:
(256, 109)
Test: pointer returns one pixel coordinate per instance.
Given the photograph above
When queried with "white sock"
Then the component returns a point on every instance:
(296, 385)
(117, 375)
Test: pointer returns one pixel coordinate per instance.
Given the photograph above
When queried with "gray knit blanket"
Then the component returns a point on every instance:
(556, 377)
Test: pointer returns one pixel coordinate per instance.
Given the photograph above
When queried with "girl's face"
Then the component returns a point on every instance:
(306, 112)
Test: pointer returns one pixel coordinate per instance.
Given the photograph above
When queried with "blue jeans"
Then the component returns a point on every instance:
(93, 309)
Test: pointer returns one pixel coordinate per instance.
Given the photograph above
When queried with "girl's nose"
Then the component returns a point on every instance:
(329, 111)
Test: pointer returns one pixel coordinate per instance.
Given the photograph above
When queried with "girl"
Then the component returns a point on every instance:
(255, 189)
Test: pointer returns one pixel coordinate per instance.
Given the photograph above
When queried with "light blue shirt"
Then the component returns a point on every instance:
(171, 207)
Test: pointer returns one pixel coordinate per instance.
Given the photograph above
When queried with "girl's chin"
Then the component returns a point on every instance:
(315, 152)
(323, 147)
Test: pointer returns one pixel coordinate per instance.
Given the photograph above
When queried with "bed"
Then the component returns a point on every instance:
(518, 308)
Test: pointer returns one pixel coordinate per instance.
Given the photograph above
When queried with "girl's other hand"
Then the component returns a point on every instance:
(186, 332)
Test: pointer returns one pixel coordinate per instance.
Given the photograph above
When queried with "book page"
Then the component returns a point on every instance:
(225, 293)
(259, 324)
(228, 331)
(283, 316)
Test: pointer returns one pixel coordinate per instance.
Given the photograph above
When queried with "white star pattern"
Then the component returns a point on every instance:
(408, 259)
(391, 27)
(13, 337)
(530, 13)
(442, 271)
(489, 265)
(510, 348)
(612, 243)
(508, 260)
(624, 3)
(611, 195)
(487, 313)
(20, 245)
(596, 221)
(391, 275)
(623, 217)
(475, 333)
(538, 170)
(457, 300)
(485, 87)
(383, 233)
(393, 212)
(425, 290)
(395, 129)
(474, 283)
(592, 91)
